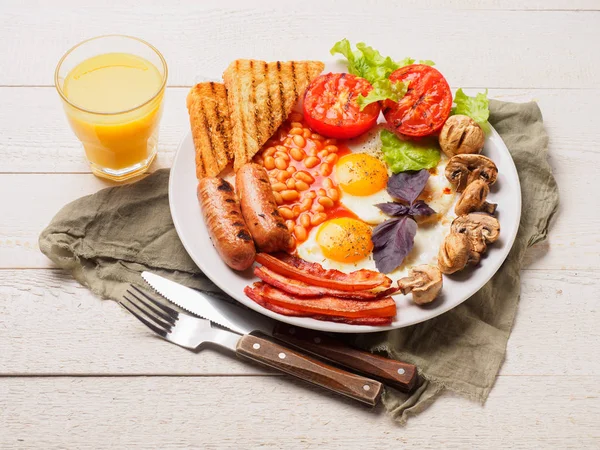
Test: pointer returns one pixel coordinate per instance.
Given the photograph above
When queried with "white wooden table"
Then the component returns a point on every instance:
(78, 372)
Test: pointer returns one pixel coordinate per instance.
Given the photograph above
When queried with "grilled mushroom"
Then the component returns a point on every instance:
(480, 229)
(454, 253)
(473, 199)
(424, 281)
(462, 170)
(460, 135)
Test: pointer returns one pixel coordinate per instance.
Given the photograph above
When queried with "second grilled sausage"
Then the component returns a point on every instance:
(225, 223)
(259, 208)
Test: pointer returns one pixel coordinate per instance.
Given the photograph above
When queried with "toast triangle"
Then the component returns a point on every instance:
(260, 96)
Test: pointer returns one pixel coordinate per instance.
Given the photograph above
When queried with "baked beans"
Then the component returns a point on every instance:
(290, 195)
(291, 183)
(299, 141)
(310, 162)
(269, 163)
(297, 154)
(299, 163)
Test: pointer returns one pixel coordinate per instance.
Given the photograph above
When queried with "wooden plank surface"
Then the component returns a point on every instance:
(201, 38)
(279, 413)
(78, 372)
(45, 312)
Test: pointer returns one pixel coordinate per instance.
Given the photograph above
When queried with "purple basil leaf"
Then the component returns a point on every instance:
(420, 208)
(382, 232)
(393, 209)
(407, 185)
(393, 240)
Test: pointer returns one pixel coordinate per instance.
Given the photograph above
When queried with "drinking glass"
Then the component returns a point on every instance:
(119, 143)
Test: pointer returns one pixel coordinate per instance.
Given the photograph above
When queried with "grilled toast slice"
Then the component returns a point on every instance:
(261, 96)
(211, 129)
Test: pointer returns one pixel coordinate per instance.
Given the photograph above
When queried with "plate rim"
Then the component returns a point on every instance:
(307, 322)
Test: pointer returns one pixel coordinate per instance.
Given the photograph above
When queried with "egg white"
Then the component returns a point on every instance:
(364, 207)
(435, 190)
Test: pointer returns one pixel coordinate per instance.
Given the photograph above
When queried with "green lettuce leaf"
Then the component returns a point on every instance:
(402, 155)
(366, 62)
(427, 62)
(406, 62)
(477, 108)
(383, 90)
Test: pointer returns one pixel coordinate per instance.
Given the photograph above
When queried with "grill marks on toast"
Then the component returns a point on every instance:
(222, 114)
(261, 96)
(211, 129)
(281, 91)
(269, 118)
(294, 83)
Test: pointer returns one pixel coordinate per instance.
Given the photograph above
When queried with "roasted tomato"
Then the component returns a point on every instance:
(330, 106)
(426, 105)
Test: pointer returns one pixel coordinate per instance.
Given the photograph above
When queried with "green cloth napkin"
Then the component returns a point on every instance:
(108, 238)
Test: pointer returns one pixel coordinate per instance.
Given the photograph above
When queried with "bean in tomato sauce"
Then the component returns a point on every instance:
(300, 163)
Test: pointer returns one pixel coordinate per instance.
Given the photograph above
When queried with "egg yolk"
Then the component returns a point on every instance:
(361, 174)
(345, 240)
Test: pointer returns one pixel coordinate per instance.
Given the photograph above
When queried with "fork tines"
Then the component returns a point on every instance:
(158, 317)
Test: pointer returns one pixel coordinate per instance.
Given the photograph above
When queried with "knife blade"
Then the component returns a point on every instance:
(394, 373)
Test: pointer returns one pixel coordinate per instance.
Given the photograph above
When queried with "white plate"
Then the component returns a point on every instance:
(506, 192)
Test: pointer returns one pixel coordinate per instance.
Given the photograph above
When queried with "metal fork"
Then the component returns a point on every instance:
(178, 328)
(191, 332)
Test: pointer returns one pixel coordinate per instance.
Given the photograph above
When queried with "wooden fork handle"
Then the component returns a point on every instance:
(394, 373)
(308, 369)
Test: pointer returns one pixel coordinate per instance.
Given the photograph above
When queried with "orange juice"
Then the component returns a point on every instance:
(113, 103)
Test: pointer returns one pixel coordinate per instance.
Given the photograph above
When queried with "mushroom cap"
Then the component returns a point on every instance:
(462, 170)
(473, 199)
(461, 135)
(424, 281)
(480, 229)
(454, 253)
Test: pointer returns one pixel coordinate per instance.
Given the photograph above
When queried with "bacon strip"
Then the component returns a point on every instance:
(323, 306)
(301, 289)
(278, 309)
(373, 321)
(314, 274)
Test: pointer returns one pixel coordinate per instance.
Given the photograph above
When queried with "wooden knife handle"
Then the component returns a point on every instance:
(394, 373)
(308, 369)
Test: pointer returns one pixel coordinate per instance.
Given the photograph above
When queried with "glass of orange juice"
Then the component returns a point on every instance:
(112, 89)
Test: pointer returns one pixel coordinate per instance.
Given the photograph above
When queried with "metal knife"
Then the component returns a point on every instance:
(394, 373)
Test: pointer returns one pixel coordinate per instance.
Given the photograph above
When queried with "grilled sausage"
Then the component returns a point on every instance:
(266, 226)
(225, 222)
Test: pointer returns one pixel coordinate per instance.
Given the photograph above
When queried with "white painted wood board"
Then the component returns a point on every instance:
(479, 48)
(277, 413)
(51, 328)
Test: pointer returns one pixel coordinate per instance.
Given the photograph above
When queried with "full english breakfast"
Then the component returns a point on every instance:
(337, 209)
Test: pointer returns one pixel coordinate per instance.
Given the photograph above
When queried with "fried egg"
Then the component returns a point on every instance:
(362, 180)
(344, 243)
